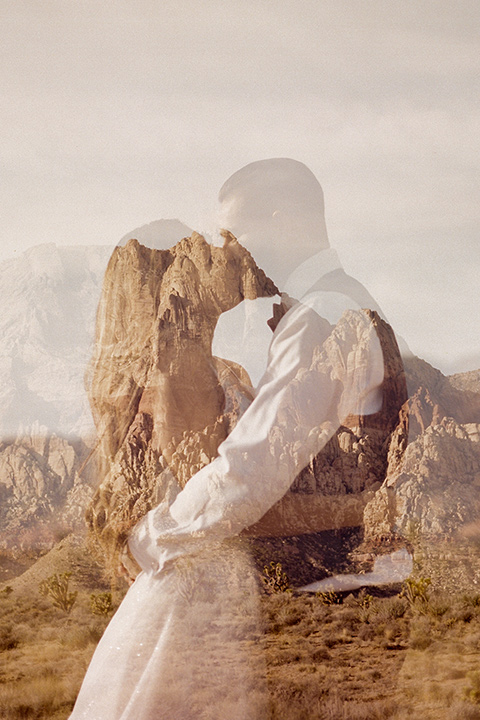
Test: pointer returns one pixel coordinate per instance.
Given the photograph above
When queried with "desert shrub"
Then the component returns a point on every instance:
(287, 655)
(289, 615)
(344, 618)
(101, 603)
(366, 632)
(271, 606)
(415, 590)
(336, 637)
(320, 613)
(471, 600)
(82, 636)
(56, 588)
(335, 708)
(9, 638)
(363, 604)
(463, 614)
(329, 597)
(392, 633)
(420, 639)
(473, 641)
(32, 698)
(320, 653)
(439, 606)
(364, 600)
(274, 579)
(24, 632)
(47, 634)
(392, 608)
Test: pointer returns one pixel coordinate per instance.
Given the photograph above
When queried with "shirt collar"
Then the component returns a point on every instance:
(310, 271)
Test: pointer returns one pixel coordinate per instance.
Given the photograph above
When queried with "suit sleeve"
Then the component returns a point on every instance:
(316, 375)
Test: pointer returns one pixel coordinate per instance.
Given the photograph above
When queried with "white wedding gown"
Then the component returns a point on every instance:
(182, 646)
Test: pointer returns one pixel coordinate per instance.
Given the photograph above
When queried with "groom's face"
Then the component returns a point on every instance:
(252, 223)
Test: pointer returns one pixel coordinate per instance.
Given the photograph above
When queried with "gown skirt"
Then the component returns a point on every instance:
(185, 644)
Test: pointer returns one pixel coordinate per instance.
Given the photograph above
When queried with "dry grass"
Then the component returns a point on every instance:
(45, 653)
(378, 659)
(369, 658)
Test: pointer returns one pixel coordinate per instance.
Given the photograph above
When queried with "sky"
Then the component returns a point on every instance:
(116, 114)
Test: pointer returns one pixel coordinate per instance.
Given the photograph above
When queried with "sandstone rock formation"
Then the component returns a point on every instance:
(162, 404)
(466, 381)
(434, 490)
(49, 297)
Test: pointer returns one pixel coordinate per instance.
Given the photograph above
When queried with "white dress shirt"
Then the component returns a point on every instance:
(324, 362)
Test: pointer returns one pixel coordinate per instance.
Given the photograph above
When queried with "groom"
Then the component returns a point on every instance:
(323, 369)
(320, 406)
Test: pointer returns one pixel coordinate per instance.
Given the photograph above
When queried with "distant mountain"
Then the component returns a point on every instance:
(49, 296)
(466, 381)
(159, 234)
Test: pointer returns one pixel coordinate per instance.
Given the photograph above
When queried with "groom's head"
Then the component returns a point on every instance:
(275, 208)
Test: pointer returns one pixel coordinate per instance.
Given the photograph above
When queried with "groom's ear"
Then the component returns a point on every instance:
(279, 219)
(283, 224)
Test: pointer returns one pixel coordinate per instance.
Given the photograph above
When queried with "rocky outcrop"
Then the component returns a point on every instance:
(43, 490)
(466, 382)
(435, 489)
(432, 397)
(333, 489)
(161, 403)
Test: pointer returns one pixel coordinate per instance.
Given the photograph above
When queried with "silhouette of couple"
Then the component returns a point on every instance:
(312, 361)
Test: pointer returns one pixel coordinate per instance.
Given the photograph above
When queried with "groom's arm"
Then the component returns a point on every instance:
(316, 376)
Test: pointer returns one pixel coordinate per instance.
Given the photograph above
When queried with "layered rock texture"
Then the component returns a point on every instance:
(435, 489)
(43, 490)
(162, 404)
